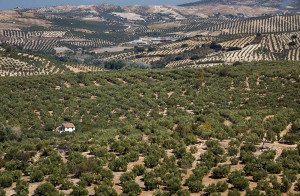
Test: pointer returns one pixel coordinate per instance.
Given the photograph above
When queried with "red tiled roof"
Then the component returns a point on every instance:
(69, 125)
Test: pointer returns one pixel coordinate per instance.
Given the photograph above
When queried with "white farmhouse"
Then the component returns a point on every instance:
(67, 127)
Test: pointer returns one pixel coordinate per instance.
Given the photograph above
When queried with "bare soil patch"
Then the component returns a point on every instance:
(267, 117)
(228, 123)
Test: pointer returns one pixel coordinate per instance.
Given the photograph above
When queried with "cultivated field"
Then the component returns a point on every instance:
(223, 130)
(16, 63)
(200, 51)
(259, 25)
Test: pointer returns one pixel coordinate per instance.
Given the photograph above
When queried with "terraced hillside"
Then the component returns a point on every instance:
(47, 41)
(283, 5)
(271, 47)
(259, 25)
(17, 63)
(210, 50)
(97, 26)
(220, 130)
(233, 26)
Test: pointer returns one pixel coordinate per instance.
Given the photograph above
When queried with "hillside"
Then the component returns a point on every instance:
(280, 4)
(204, 51)
(201, 99)
(17, 63)
(74, 34)
(218, 130)
(63, 30)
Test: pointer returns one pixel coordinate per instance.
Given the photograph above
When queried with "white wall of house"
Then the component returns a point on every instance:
(69, 129)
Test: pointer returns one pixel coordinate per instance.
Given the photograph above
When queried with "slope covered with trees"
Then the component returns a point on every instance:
(220, 130)
(14, 62)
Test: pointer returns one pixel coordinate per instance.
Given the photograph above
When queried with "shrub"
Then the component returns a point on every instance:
(183, 193)
(16, 165)
(151, 49)
(253, 192)
(247, 157)
(46, 189)
(104, 173)
(195, 186)
(259, 175)
(294, 36)
(150, 180)
(194, 149)
(160, 193)
(6, 180)
(291, 138)
(55, 179)
(217, 150)
(139, 49)
(195, 57)
(186, 161)
(128, 176)
(37, 176)
(290, 174)
(222, 186)
(66, 185)
(233, 48)
(200, 171)
(117, 64)
(118, 164)
(292, 43)
(273, 192)
(133, 156)
(286, 184)
(178, 58)
(184, 45)
(224, 72)
(273, 168)
(87, 178)
(173, 185)
(210, 189)
(276, 185)
(241, 183)
(232, 151)
(234, 193)
(105, 190)
(248, 147)
(138, 170)
(22, 188)
(234, 160)
(238, 181)
(221, 171)
(131, 187)
(16, 175)
(79, 191)
(151, 161)
(262, 185)
(237, 63)
(215, 46)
